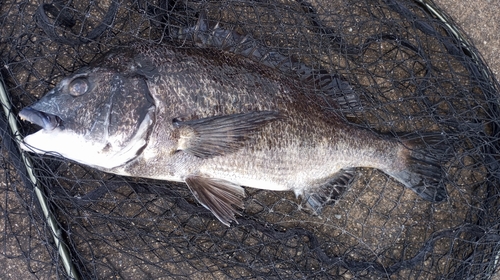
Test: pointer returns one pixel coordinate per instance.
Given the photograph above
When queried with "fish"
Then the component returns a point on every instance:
(217, 121)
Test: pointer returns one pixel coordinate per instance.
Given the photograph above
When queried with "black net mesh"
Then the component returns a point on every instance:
(413, 72)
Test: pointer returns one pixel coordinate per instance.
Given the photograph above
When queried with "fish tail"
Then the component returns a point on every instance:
(424, 172)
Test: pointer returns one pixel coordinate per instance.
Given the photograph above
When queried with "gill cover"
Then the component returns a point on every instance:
(100, 116)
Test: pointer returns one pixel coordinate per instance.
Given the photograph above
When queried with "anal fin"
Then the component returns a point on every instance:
(219, 196)
(329, 192)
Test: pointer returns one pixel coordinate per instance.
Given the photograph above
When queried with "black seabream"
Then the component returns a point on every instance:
(216, 121)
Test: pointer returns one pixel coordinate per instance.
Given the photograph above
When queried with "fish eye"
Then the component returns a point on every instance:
(78, 86)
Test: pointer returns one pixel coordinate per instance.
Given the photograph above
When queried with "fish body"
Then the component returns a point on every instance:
(216, 121)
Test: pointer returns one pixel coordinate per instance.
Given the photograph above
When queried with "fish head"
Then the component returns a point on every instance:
(98, 116)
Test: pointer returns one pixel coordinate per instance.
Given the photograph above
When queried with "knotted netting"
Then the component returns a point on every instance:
(411, 68)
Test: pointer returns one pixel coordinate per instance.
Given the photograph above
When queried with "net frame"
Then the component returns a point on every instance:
(482, 233)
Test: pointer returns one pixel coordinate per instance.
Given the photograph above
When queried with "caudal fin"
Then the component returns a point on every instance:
(424, 172)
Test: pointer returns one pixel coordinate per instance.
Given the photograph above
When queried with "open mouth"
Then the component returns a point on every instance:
(45, 120)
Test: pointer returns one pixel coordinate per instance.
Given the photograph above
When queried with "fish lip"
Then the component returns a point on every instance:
(45, 120)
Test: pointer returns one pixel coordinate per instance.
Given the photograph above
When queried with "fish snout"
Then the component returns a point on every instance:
(45, 120)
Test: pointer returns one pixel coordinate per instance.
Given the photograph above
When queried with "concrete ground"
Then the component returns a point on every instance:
(480, 21)
(478, 18)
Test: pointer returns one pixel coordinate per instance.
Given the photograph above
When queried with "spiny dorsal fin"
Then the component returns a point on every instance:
(219, 135)
(219, 196)
(332, 85)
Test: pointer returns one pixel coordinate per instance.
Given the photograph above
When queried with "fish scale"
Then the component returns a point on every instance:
(219, 121)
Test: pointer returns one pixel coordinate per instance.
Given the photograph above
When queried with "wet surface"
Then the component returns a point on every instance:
(381, 215)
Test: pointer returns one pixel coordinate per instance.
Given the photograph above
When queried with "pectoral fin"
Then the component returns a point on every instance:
(329, 192)
(219, 135)
(219, 196)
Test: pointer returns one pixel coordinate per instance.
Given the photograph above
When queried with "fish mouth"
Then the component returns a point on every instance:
(45, 120)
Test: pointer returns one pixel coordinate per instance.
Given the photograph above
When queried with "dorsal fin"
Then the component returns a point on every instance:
(332, 86)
